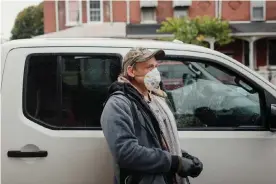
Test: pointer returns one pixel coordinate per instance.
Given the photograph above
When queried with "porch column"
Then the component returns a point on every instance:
(57, 16)
(128, 11)
(251, 52)
(212, 45)
(211, 41)
(111, 11)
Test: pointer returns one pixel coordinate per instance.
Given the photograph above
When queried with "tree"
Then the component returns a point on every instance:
(196, 30)
(28, 23)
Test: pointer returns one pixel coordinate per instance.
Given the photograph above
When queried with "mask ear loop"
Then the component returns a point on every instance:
(150, 94)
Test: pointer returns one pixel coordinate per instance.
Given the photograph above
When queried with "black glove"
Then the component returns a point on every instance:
(198, 164)
(187, 155)
(185, 167)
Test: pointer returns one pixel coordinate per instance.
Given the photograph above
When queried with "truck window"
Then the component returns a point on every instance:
(206, 95)
(68, 91)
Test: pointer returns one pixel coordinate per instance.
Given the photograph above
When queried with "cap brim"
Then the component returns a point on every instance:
(158, 54)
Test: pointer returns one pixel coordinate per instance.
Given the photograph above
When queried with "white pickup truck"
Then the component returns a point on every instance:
(53, 92)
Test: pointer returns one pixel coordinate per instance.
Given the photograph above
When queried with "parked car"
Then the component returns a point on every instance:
(53, 91)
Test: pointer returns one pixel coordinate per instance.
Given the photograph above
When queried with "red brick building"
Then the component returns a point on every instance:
(253, 22)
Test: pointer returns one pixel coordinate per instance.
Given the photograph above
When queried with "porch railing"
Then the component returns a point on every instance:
(270, 75)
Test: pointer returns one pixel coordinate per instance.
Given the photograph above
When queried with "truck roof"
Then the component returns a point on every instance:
(107, 42)
(102, 42)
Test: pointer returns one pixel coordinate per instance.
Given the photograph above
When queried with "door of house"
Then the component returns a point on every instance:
(272, 53)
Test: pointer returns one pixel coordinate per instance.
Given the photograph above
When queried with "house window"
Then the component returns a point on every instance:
(95, 9)
(246, 53)
(180, 13)
(73, 12)
(182, 3)
(148, 15)
(272, 53)
(257, 10)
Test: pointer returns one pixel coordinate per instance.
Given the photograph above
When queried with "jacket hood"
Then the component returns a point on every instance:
(126, 89)
(115, 86)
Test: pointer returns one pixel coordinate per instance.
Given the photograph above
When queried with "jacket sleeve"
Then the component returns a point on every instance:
(118, 129)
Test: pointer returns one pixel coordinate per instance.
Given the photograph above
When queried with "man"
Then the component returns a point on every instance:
(139, 127)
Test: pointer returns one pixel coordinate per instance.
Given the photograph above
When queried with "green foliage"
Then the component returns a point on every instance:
(28, 23)
(194, 31)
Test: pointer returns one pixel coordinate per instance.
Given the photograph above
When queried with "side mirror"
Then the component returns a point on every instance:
(272, 122)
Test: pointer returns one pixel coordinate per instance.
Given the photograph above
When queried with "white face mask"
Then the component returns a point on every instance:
(152, 80)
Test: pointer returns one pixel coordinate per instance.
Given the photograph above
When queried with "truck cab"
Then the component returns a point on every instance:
(53, 91)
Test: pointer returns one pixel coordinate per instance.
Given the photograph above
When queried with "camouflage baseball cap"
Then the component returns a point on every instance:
(140, 54)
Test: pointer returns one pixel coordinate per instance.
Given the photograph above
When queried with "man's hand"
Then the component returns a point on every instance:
(198, 167)
(189, 167)
(185, 167)
(197, 164)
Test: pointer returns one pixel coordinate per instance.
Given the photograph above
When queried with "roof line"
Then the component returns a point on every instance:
(255, 34)
(149, 36)
(171, 35)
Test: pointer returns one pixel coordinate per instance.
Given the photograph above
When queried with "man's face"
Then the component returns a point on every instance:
(141, 69)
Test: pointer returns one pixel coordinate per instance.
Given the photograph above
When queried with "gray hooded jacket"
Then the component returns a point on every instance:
(132, 136)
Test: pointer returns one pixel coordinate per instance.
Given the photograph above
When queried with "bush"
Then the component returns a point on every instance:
(194, 31)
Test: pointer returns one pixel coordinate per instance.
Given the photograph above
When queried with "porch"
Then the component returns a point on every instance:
(254, 45)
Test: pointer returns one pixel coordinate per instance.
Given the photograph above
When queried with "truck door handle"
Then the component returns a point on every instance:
(23, 154)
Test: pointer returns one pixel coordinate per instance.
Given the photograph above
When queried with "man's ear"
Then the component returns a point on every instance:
(130, 71)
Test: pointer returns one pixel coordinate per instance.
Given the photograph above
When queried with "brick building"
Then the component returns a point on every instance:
(253, 23)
